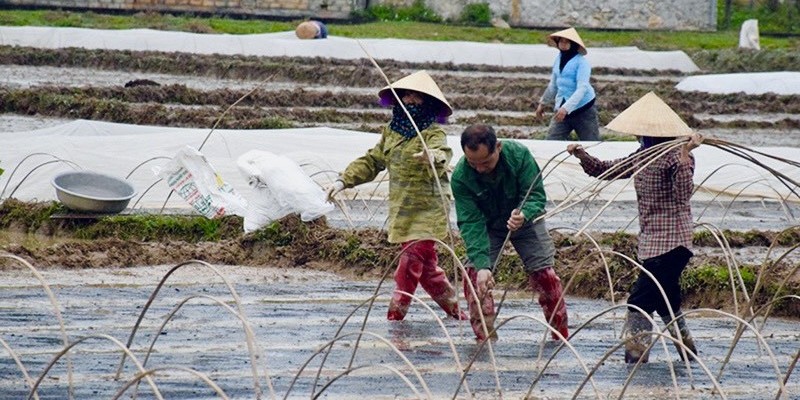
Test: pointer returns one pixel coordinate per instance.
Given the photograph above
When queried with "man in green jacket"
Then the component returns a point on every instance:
(490, 185)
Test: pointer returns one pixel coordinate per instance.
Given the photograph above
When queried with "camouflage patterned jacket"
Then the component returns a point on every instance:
(415, 202)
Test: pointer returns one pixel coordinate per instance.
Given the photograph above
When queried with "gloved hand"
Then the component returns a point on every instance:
(516, 220)
(485, 282)
(334, 188)
(423, 157)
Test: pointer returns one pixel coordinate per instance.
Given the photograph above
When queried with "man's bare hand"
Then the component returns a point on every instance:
(516, 220)
(485, 282)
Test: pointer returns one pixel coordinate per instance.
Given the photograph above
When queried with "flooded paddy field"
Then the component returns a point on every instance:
(295, 313)
(615, 216)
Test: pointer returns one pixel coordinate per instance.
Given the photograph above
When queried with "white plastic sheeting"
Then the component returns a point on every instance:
(785, 83)
(117, 149)
(287, 44)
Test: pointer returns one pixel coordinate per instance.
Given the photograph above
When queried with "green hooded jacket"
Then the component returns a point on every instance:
(415, 201)
(487, 200)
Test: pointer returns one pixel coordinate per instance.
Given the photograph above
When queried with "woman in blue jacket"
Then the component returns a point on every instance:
(569, 90)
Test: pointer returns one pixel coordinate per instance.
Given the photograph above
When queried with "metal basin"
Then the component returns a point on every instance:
(93, 192)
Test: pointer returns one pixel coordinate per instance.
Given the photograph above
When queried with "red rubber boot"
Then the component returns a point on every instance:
(545, 282)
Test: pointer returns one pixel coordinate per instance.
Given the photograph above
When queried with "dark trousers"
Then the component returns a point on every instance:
(585, 124)
(667, 269)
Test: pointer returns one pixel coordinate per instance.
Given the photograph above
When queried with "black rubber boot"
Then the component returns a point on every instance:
(637, 347)
(685, 336)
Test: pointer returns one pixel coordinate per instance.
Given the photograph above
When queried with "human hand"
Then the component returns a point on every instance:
(561, 114)
(334, 188)
(540, 110)
(573, 148)
(485, 282)
(516, 220)
(423, 156)
(694, 141)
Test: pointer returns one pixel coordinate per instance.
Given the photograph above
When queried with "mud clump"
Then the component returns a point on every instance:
(141, 82)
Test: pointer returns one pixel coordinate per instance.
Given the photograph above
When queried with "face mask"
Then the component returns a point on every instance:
(422, 115)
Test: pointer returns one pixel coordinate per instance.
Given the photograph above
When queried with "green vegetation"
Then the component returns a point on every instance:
(477, 14)
(418, 22)
(154, 228)
(773, 16)
(715, 277)
(151, 20)
(27, 216)
(273, 235)
(415, 12)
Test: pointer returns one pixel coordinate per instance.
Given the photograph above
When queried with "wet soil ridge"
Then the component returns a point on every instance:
(177, 105)
(252, 67)
(298, 92)
(127, 241)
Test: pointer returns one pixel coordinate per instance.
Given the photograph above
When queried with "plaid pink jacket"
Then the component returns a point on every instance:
(663, 190)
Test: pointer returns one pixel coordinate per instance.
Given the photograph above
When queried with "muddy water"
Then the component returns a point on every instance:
(614, 216)
(295, 312)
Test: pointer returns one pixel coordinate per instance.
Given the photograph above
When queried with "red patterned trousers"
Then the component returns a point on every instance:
(419, 264)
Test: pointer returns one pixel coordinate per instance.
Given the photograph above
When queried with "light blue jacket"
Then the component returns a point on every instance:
(571, 84)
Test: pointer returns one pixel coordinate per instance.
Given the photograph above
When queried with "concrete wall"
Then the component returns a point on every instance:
(691, 15)
(278, 8)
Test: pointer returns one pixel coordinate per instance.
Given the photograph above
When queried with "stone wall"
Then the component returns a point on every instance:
(688, 15)
(334, 9)
(691, 15)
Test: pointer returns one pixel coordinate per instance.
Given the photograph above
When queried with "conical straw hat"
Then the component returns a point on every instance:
(421, 82)
(570, 34)
(650, 116)
(307, 30)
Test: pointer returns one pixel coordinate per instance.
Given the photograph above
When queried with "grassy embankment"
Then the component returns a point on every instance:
(650, 40)
(146, 240)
